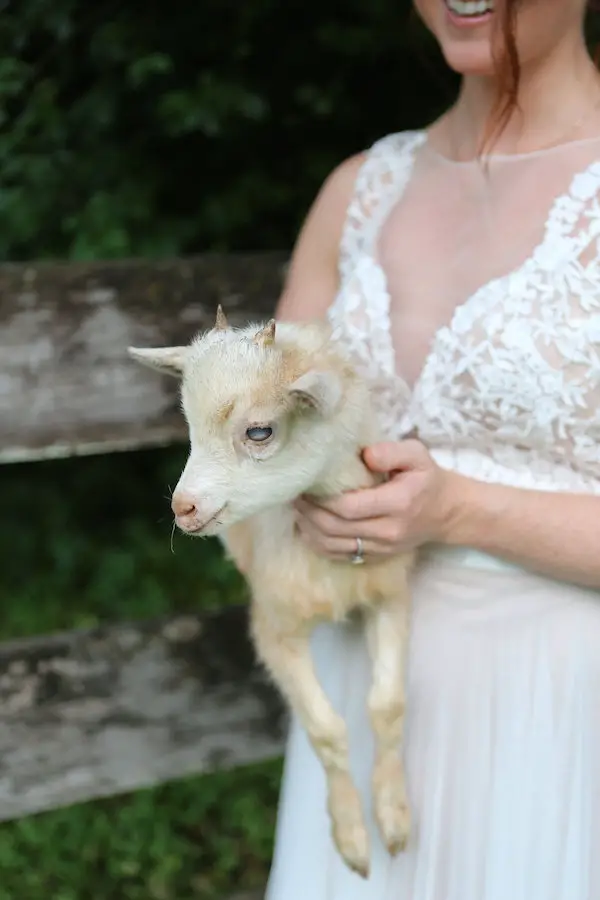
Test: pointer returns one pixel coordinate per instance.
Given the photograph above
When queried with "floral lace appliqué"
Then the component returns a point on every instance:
(510, 389)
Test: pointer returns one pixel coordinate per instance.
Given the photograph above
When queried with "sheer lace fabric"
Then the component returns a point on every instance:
(470, 297)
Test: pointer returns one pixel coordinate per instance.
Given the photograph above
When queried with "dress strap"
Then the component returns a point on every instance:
(380, 181)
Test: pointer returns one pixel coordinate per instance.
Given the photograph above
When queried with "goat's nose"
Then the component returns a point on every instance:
(183, 505)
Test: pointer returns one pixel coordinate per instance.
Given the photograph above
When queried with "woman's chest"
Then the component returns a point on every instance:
(446, 241)
(517, 364)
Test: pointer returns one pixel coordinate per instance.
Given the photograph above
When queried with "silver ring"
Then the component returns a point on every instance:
(357, 558)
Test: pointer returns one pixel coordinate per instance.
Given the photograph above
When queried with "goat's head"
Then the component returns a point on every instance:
(260, 410)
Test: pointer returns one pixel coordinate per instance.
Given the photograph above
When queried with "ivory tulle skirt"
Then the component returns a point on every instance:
(502, 747)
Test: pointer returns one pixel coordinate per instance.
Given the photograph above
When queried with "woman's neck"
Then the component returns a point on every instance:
(558, 100)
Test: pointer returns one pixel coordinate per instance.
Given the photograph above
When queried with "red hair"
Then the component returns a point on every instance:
(506, 59)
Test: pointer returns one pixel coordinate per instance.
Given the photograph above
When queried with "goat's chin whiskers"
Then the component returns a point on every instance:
(173, 527)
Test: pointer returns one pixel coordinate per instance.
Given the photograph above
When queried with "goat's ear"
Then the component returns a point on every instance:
(169, 360)
(321, 391)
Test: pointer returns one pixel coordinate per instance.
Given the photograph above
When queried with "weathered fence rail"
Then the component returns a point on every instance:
(90, 714)
(66, 384)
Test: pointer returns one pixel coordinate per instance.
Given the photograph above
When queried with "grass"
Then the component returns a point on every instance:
(88, 541)
(191, 840)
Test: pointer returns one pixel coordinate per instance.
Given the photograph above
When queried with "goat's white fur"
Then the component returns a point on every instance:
(300, 383)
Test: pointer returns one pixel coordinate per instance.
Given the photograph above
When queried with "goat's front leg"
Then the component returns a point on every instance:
(387, 635)
(289, 660)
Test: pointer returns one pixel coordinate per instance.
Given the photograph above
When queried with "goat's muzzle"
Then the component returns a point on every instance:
(193, 516)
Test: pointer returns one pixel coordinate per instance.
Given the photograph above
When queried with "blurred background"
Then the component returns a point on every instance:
(158, 130)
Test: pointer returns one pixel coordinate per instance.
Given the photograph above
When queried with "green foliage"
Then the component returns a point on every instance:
(191, 840)
(91, 541)
(153, 129)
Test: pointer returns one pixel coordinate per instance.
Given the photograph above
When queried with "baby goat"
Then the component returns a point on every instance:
(274, 413)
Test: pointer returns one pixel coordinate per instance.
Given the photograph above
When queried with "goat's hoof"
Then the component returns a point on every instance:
(395, 829)
(348, 826)
(352, 842)
(392, 810)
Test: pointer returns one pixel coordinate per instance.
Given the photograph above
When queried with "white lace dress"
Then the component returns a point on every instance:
(471, 301)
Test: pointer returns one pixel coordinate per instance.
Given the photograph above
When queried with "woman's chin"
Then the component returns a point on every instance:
(475, 59)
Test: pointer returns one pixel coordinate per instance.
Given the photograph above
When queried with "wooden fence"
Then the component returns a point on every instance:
(96, 713)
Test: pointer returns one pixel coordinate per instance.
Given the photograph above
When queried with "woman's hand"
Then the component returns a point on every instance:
(415, 506)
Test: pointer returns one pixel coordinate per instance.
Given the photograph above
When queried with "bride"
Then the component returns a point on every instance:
(461, 266)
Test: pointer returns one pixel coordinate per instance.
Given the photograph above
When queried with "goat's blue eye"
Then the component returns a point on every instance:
(259, 433)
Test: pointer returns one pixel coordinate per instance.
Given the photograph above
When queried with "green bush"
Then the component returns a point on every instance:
(159, 129)
(191, 840)
(91, 541)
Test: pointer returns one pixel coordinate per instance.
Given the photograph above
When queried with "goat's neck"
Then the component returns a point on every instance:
(346, 473)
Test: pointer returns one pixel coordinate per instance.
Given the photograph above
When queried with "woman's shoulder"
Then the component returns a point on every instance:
(360, 172)
(336, 222)
(387, 149)
(398, 142)
(384, 152)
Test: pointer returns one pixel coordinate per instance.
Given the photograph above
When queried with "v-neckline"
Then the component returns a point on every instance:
(479, 294)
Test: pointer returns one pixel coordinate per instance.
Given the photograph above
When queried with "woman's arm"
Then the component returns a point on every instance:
(556, 533)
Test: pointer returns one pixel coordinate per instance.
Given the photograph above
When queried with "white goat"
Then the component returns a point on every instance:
(271, 418)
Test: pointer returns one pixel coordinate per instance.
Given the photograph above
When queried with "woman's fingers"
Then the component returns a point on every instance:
(336, 547)
(331, 525)
(382, 531)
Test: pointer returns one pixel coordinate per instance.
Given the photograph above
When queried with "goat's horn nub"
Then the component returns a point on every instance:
(266, 336)
(221, 323)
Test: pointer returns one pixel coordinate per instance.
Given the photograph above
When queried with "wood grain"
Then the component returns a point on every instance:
(67, 386)
(97, 713)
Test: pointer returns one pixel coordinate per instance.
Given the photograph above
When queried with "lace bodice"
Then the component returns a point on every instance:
(508, 388)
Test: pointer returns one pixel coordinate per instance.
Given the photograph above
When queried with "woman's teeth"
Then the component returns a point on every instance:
(470, 7)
